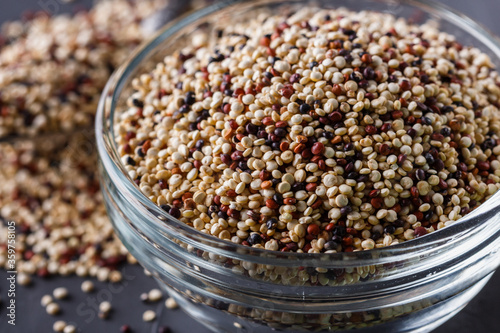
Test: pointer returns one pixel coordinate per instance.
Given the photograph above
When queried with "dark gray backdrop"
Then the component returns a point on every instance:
(481, 315)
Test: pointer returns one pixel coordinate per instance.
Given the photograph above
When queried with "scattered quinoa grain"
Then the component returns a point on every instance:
(164, 329)
(52, 309)
(87, 286)
(154, 295)
(171, 304)
(125, 329)
(46, 300)
(149, 315)
(59, 326)
(105, 306)
(23, 279)
(60, 293)
(70, 329)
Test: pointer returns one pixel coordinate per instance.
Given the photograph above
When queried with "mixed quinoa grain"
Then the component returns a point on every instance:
(53, 69)
(325, 131)
(50, 189)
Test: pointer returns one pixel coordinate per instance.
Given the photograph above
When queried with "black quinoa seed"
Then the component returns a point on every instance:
(138, 103)
(254, 238)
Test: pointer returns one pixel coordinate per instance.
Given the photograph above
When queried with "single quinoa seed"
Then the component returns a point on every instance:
(125, 329)
(87, 286)
(23, 279)
(164, 329)
(171, 304)
(46, 300)
(59, 326)
(149, 315)
(60, 293)
(105, 307)
(155, 295)
(70, 329)
(52, 309)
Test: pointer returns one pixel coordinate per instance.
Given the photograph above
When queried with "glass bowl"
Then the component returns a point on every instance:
(411, 287)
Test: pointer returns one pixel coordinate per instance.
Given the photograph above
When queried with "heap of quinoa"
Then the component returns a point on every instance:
(52, 72)
(53, 68)
(325, 131)
(51, 191)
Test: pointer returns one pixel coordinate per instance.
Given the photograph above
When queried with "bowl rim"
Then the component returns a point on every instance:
(112, 165)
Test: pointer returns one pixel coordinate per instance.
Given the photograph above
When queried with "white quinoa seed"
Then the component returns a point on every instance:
(59, 326)
(70, 329)
(23, 279)
(46, 300)
(87, 286)
(60, 293)
(171, 304)
(52, 308)
(155, 295)
(105, 306)
(149, 315)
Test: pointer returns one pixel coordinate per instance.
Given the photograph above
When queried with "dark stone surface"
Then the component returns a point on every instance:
(481, 315)
(81, 308)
